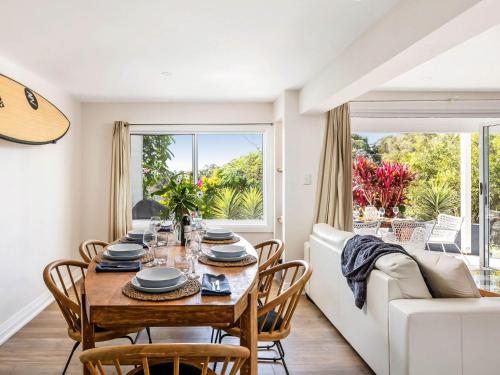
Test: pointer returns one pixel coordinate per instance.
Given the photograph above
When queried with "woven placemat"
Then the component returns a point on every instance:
(222, 242)
(191, 287)
(145, 259)
(246, 261)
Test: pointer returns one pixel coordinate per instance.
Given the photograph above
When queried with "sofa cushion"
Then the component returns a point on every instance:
(407, 274)
(446, 276)
(333, 236)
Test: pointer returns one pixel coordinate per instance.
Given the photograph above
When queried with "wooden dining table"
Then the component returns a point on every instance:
(104, 304)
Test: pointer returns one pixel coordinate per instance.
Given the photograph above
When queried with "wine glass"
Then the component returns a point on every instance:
(395, 209)
(381, 212)
(149, 239)
(355, 213)
(194, 253)
(155, 224)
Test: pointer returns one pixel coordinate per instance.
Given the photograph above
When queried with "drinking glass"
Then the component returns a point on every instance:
(194, 253)
(149, 239)
(381, 212)
(155, 223)
(395, 209)
(355, 213)
(182, 264)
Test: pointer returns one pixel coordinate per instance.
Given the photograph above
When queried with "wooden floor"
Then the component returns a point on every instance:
(314, 346)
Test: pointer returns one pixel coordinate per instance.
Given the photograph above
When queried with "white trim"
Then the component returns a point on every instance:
(465, 191)
(267, 131)
(22, 317)
(25, 315)
(415, 125)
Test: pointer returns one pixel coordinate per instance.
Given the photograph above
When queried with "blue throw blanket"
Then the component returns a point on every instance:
(358, 259)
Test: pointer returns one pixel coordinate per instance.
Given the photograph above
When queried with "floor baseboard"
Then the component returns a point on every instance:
(24, 316)
(17, 321)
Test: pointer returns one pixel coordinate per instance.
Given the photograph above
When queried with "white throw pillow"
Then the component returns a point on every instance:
(447, 276)
(407, 274)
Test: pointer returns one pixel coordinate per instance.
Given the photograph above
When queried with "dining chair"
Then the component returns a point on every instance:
(411, 234)
(274, 316)
(89, 249)
(269, 253)
(165, 359)
(61, 278)
(366, 227)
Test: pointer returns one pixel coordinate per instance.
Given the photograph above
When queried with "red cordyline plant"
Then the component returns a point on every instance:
(380, 186)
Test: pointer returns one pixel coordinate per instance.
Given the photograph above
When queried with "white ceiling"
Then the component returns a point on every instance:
(471, 66)
(216, 50)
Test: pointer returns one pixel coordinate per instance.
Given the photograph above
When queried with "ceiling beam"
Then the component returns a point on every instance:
(411, 33)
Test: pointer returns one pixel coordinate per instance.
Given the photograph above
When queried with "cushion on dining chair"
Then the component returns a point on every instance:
(269, 322)
(167, 368)
(97, 329)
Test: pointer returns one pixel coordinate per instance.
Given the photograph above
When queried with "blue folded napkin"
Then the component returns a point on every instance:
(118, 266)
(215, 285)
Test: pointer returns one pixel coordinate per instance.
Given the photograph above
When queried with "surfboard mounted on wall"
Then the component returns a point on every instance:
(27, 117)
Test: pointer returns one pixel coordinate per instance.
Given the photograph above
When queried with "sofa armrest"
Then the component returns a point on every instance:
(444, 336)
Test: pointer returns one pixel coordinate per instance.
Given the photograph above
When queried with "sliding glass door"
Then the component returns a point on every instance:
(490, 196)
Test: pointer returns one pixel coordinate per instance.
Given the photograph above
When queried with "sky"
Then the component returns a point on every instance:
(212, 149)
(373, 137)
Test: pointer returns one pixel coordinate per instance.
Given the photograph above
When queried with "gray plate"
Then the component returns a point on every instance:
(183, 280)
(212, 256)
(218, 238)
(124, 257)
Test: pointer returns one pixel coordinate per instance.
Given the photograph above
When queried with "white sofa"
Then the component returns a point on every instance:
(400, 336)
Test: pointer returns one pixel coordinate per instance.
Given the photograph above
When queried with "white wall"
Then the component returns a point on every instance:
(302, 140)
(98, 121)
(39, 208)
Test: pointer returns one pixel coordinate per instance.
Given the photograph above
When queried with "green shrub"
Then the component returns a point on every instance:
(227, 204)
(252, 204)
(436, 198)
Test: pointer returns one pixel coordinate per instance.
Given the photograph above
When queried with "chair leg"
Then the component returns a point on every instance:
(148, 331)
(130, 338)
(463, 255)
(281, 357)
(444, 249)
(70, 356)
(212, 336)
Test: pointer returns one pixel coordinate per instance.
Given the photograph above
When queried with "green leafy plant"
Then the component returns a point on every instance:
(436, 198)
(180, 195)
(227, 204)
(252, 204)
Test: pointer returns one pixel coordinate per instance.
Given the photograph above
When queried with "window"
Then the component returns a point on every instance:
(231, 164)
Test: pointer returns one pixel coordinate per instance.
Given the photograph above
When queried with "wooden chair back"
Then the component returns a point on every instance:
(89, 249)
(269, 253)
(278, 305)
(197, 355)
(61, 277)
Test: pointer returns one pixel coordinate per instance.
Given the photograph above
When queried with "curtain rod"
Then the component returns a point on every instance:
(205, 123)
(424, 100)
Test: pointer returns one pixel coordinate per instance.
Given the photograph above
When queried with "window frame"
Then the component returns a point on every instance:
(267, 131)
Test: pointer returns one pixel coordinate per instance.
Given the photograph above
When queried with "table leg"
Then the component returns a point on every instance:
(248, 338)
(87, 329)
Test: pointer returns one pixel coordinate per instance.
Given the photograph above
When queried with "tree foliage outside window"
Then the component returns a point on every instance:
(230, 191)
(435, 158)
(155, 157)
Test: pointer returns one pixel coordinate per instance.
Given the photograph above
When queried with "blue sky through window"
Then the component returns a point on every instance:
(216, 149)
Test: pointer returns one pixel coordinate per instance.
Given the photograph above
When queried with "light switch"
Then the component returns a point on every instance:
(307, 179)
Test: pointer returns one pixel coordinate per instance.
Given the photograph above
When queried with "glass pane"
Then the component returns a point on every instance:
(231, 171)
(155, 158)
(493, 178)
